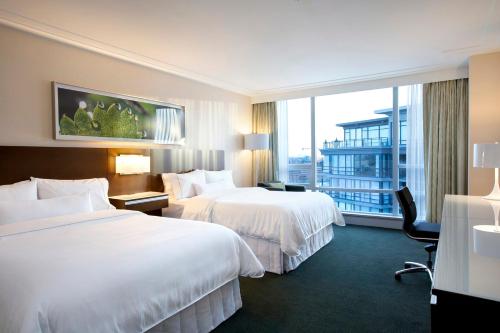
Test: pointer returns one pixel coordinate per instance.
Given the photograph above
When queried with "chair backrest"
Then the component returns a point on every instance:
(408, 208)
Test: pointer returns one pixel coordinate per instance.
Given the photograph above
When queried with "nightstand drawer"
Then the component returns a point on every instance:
(146, 206)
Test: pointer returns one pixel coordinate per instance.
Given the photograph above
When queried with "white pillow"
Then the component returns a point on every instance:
(180, 185)
(212, 187)
(171, 185)
(24, 210)
(219, 176)
(186, 181)
(98, 188)
(25, 190)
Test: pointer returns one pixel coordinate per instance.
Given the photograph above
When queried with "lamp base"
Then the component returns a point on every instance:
(495, 193)
(492, 196)
(486, 240)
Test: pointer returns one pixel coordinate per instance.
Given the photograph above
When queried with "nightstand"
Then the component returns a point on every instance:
(150, 203)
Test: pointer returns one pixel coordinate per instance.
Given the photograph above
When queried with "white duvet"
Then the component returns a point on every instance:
(112, 271)
(288, 218)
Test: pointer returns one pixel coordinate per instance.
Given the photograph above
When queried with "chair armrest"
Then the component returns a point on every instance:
(295, 188)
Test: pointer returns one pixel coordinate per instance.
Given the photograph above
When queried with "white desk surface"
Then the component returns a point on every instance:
(459, 267)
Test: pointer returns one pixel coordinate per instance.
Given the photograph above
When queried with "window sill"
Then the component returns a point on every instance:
(378, 216)
(373, 220)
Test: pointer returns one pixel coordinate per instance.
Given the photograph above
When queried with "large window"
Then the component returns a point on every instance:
(356, 143)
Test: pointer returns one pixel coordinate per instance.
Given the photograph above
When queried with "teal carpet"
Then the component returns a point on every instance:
(348, 286)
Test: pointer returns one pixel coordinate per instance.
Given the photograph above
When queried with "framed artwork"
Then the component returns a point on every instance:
(90, 115)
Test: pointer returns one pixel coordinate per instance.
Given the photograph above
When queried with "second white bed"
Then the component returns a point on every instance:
(282, 228)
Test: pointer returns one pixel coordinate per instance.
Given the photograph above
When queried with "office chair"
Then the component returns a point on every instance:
(417, 230)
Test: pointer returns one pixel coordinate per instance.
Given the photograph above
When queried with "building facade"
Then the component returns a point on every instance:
(363, 160)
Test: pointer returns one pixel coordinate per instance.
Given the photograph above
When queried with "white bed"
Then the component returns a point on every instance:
(282, 228)
(119, 271)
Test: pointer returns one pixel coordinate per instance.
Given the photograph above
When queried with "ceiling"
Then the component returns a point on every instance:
(259, 47)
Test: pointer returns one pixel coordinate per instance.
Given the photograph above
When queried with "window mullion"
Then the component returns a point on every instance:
(312, 182)
(395, 148)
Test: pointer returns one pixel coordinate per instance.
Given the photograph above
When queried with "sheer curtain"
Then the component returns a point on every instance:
(415, 172)
(282, 115)
(218, 125)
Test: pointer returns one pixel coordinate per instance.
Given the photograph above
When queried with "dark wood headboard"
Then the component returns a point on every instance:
(20, 163)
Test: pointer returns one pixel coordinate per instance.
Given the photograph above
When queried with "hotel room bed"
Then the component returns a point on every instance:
(282, 228)
(119, 271)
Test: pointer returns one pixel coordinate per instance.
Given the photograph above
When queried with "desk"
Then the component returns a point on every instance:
(466, 288)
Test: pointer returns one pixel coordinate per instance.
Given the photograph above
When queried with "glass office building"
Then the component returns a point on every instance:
(363, 160)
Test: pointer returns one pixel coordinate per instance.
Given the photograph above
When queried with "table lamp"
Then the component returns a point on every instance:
(487, 155)
(487, 237)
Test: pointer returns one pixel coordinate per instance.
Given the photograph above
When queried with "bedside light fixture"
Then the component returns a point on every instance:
(256, 141)
(487, 155)
(132, 164)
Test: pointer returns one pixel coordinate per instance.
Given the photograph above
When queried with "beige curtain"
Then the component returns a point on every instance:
(445, 142)
(265, 162)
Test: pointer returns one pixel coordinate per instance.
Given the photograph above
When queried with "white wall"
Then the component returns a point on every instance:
(215, 118)
(484, 115)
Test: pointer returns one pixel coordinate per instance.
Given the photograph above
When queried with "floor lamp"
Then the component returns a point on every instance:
(254, 142)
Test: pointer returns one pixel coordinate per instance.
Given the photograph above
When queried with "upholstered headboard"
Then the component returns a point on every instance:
(179, 160)
(19, 163)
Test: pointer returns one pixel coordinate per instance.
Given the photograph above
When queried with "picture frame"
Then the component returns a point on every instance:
(90, 115)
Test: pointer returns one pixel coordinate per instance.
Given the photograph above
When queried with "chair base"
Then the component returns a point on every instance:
(414, 267)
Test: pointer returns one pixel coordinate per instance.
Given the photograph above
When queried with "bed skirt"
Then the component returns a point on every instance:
(205, 314)
(275, 261)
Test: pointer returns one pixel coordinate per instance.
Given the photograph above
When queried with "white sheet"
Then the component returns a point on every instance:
(112, 271)
(288, 218)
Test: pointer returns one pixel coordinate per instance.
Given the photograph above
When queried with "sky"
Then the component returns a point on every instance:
(331, 110)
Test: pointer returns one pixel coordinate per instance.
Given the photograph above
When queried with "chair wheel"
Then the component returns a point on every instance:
(397, 277)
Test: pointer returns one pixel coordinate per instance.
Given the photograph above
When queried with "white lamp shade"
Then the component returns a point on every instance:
(256, 141)
(132, 164)
(487, 155)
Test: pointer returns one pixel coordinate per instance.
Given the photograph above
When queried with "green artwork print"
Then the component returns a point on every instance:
(110, 122)
(91, 115)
